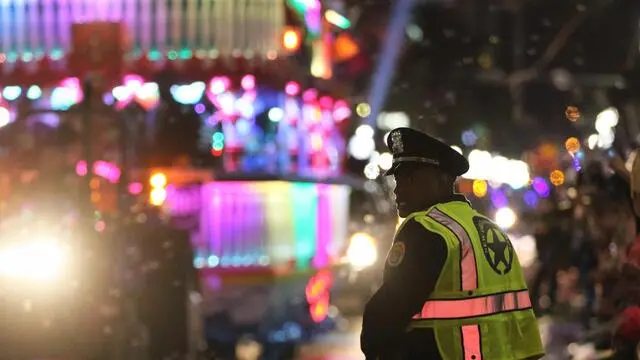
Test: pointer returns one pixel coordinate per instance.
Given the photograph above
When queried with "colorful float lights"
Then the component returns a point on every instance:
(254, 129)
(269, 223)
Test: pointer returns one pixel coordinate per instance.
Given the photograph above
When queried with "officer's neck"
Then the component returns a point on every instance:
(438, 199)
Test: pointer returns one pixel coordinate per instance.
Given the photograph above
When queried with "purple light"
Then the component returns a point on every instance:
(531, 198)
(541, 187)
(200, 108)
(324, 228)
(313, 17)
(499, 199)
(576, 163)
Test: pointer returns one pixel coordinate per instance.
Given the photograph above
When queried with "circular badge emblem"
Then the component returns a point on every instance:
(396, 254)
(496, 247)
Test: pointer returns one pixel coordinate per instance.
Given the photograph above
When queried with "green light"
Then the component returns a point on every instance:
(186, 54)
(12, 56)
(305, 203)
(299, 6)
(27, 56)
(137, 53)
(337, 19)
(57, 54)
(218, 137)
(217, 146)
(155, 55)
(172, 55)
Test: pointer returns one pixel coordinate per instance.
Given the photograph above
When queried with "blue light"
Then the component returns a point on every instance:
(213, 261)
(531, 198)
(198, 262)
(243, 126)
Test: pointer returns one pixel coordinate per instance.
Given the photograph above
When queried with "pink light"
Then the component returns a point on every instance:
(341, 111)
(225, 102)
(310, 95)
(133, 81)
(341, 114)
(107, 170)
(135, 188)
(292, 88)
(218, 85)
(248, 82)
(324, 228)
(100, 226)
(73, 84)
(81, 168)
(103, 169)
(326, 102)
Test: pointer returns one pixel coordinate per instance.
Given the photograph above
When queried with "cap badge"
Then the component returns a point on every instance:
(396, 142)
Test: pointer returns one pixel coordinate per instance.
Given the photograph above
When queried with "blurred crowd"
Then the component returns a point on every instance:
(588, 246)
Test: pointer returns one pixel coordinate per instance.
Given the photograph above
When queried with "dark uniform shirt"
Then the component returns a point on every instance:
(404, 291)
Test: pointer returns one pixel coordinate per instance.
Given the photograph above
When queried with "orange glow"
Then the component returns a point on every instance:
(291, 39)
(345, 47)
(320, 310)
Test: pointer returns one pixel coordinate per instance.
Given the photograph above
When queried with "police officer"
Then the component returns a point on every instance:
(453, 288)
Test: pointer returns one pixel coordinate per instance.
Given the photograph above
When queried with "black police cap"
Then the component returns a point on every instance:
(410, 146)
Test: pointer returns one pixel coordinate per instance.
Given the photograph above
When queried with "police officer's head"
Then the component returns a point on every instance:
(425, 169)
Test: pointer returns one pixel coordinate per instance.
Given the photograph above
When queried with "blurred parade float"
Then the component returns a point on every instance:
(269, 214)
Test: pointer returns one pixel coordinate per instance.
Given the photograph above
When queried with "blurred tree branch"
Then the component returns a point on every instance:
(560, 40)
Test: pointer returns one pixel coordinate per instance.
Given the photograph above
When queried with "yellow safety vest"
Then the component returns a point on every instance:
(480, 308)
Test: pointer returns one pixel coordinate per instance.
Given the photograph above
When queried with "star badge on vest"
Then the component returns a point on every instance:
(497, 249)
(396, 254)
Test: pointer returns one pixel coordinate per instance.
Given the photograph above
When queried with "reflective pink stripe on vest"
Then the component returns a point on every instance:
(471, 342)
(468, 271)
(477, 306)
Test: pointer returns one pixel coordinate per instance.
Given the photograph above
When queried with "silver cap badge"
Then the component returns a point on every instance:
(396, 142)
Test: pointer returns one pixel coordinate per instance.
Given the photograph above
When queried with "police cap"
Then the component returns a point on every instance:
(410, 146)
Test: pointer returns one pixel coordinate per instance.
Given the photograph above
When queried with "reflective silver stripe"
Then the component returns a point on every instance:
(415, 159)
(468, 269)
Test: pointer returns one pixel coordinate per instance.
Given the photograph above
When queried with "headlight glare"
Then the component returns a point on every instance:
(362, 251)
(40, 261)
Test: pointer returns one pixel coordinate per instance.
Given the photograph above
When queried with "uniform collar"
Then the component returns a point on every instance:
(458, 197)
(451, 198)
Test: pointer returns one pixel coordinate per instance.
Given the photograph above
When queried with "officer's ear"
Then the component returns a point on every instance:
(449, 181)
